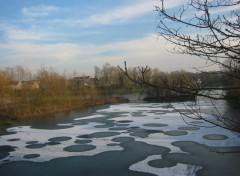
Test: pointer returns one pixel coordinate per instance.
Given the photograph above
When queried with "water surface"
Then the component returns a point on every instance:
(123, 139)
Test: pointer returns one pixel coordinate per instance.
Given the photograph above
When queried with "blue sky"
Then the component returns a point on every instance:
(80, 34)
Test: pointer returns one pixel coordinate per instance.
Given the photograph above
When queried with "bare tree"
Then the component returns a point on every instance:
(216, 32)
(209, 29)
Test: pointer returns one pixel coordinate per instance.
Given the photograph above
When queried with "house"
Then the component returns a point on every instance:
(26, 85)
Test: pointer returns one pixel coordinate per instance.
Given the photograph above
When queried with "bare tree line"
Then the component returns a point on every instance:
(55, 92)
(24, 94)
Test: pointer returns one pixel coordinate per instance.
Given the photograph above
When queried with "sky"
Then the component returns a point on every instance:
(76, 35)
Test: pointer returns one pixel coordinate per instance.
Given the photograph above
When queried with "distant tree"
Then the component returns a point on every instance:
(5, 82)
(109, 76)
(209, 29)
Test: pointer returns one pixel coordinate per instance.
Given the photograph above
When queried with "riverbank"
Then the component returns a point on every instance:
(8, 116)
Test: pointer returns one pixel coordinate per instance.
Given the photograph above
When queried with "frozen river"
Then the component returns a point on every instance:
(120, 140)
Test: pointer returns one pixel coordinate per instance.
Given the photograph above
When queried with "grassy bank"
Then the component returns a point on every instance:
(26, 108)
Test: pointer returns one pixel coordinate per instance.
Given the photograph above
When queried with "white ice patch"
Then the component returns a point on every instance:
(178, 170)
(90, 117)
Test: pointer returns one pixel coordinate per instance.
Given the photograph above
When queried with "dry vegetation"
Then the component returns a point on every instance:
(46, 92)
(25, 95)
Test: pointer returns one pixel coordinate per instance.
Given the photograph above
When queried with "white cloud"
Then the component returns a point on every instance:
(108, 16)
(41, 10)
(223, 9)
(120, 14)
(20, 35)
(126, 13)
(139, 52)
(13, 34)
(59, 56)
(151, 51)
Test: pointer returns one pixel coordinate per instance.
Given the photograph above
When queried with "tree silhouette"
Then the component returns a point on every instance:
(209, 29)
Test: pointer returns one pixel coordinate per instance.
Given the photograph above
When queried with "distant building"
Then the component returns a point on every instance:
(199, 82)
(84, 81)
(25, 85)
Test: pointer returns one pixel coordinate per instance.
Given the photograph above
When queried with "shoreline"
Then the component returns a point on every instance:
(8, 119)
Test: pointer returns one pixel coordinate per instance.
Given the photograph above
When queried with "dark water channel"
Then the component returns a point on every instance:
(123, 139)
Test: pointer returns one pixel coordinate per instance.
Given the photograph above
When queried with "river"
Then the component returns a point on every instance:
(136, 138)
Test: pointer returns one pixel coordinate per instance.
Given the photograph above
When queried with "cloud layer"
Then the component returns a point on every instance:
(78, 37)
(38, 11)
